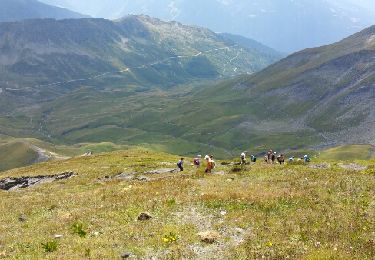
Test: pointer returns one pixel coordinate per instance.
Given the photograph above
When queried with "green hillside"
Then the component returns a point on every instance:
(314, 98)
(318, 211)
(348, 152)
(44, 58)
(15, 155)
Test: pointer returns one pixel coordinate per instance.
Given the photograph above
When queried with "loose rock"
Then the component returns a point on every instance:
(320, 166)
(22, 218)
(126, 255)
(353, 167)
(144, 217)
(142, 178)
(209, 237)
(162, 171)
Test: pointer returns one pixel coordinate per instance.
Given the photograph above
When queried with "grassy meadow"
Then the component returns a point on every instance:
(348, 152)
(324, 210)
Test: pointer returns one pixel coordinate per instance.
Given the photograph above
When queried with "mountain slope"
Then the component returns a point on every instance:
(323, 96)
(15, 155)
(54, 56)
(287, 25)
(313, 98)
(16, 10)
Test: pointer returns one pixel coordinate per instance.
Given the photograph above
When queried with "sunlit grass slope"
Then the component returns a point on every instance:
(16, 154)
(348, 152)
(263, 211)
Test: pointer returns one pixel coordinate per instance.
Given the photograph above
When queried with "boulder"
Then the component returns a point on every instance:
(126, 255)
(25, 182)
(144, 216)
(162, 171)
(209, 237)
(22, 218)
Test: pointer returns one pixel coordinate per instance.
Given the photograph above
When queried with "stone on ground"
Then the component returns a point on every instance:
(209, 237)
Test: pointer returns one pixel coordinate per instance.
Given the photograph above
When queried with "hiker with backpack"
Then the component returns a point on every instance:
(197, 161)
(273, 157)
(306, 158)
(243, 158)
(180, 164)
(269, 156)
(253, 158)
(210, 164)
(281, 158)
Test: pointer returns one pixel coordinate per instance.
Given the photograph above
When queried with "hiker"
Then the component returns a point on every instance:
(281, 158)
(180, 164)
(213, 164)
(243, 158)
(269, 156)
(306, 158)
(273, 157)
(210, 164)
(197, 161)
(253, 158)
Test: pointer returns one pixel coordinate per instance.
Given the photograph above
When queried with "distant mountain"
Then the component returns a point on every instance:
(321, 96)
(149, 51)
(41, 59)
(286, 26)
(251, 44)
(313, 98)
(17, 10)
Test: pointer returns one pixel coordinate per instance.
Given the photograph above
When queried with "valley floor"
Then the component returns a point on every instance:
(317, 211)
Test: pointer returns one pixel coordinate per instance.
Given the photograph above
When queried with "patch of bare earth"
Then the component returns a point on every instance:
(214, 239)
(353, 167)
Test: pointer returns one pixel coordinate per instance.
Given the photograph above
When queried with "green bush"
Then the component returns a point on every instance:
(50, 246)
(79, 230)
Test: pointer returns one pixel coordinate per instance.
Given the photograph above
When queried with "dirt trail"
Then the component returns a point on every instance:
(42, 154)
(45, 156)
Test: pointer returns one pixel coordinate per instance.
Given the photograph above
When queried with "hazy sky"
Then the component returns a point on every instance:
(116, 8)
(285, 25)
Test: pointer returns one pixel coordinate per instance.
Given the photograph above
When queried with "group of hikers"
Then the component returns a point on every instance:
(271, 157)
(210, 163)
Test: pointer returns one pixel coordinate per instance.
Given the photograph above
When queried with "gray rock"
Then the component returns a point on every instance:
(162, 171)
(22, 218)
(320, 166)
(353, 167)
(141, 178)
(25, 182)
(209, 237)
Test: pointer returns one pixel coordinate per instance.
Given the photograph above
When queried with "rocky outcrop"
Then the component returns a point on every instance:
(137, 177)
(25, 182)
